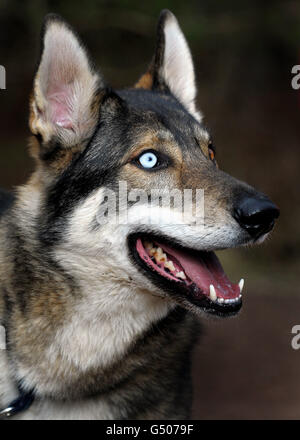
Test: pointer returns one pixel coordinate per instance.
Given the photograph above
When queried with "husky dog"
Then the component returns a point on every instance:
(100, 317)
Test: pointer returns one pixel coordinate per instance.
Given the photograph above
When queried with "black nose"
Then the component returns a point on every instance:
(256, 215)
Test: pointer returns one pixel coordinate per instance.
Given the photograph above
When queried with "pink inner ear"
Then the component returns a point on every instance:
(60, 107)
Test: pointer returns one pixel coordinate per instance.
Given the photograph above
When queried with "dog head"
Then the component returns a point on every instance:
(101, 155)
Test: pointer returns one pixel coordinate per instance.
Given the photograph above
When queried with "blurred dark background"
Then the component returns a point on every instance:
(244, 52)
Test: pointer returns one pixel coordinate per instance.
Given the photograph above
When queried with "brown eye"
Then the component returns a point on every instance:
(211, 153)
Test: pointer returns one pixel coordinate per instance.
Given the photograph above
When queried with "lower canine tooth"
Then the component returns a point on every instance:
(181, 275)
(241, 284)
(212, 293)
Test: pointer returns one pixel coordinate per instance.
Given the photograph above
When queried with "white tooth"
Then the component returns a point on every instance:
(181, 275)
(169, 265)
(241, 284)
(220, 300)
(212, 293)
(240, 296)
(227, 301)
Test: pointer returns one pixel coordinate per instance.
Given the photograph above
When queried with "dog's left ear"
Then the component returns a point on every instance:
(67, 90)
(172, 67)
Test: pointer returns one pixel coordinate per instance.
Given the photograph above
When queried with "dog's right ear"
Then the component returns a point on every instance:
(172, 69)
(67, 90)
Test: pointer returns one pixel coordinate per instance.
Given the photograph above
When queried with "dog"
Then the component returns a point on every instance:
(101, 316)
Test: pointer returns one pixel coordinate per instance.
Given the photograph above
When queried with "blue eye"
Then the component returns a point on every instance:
(148, 160)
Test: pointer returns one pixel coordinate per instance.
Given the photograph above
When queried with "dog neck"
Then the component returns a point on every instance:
(72, 321)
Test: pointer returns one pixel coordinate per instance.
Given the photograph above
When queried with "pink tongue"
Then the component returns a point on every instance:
(204, 271)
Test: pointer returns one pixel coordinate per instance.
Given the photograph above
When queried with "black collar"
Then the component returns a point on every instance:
(18, 405)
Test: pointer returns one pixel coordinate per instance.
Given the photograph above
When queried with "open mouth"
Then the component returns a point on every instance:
(194, 277)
